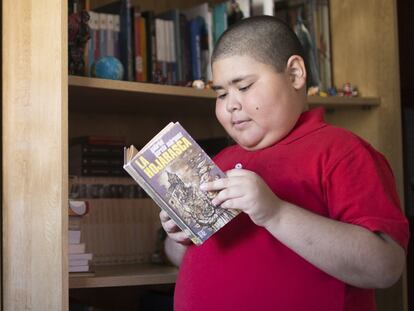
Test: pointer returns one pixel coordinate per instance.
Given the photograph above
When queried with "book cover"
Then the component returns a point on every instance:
(170, 168)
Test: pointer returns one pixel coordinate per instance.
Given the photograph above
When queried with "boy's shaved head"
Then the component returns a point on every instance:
(264, 38)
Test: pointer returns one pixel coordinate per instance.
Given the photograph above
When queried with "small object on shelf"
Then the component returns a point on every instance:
(313, 90)
(332, 91)
(79, 34)
(234, 13)
(348, 90)
(108, 67)
(198, 84)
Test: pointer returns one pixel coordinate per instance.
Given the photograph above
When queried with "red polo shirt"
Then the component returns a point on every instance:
(323, 169)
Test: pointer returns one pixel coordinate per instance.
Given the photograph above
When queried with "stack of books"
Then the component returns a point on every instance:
(78, 257)
(96, 156)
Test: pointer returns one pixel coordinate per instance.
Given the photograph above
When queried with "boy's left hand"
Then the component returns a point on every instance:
(246, 191)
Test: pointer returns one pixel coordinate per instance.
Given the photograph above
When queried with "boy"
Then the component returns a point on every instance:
(320, 224)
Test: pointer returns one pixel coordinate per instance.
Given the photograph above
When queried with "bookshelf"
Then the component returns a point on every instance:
(125, 275)
(37, 119)
(165, 99)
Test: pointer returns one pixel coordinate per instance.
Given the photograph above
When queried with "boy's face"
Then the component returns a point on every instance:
(256, 105)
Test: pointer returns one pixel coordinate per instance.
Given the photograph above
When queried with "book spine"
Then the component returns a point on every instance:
(117, 29)
(126, 40)
(103, 34)
(195, 48)
(110, 45)
(178, 47)
(153, 194)
(139, 75)
(161, 52)
(172, 52)
(185, 45)
(143, 47)
(94, 40)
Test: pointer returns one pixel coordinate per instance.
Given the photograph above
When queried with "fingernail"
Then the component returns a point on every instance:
(203, 187)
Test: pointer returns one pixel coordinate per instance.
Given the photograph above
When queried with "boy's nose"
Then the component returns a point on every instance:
(233, 102)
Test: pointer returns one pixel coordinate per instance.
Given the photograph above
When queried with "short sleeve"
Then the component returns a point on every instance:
(361, 190)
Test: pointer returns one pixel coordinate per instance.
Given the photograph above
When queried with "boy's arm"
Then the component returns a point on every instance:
(174, 251)
(347, 252)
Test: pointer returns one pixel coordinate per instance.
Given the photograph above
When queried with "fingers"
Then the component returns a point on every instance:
(227, 194)
(180, 237)
(164, 216)
(234, 177)
(173, 231)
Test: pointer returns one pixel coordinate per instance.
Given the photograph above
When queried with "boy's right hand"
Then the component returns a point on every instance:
(172, 230)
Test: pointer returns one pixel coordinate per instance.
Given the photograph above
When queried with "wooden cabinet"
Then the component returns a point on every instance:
(42, 107)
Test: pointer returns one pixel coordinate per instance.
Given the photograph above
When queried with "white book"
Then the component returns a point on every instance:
(74, 236)
(79, 268)
(103, 34)
(110, 47)
(84, 256)
(78, 248)
(244, 7)
(78, 262)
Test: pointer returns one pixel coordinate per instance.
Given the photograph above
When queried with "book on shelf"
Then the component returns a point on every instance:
(79, 268)
(78, 257)
(170, 168)
(74, 236)
(310, 21)
(82, 256)
(78, 248)
(98, 140)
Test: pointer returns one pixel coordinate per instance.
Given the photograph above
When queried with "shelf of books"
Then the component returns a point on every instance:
(124, 96)
(125, 275)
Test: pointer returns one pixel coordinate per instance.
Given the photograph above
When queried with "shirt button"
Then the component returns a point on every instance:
(238, 165)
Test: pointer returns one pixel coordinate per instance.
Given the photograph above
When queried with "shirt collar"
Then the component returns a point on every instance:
(308, 122)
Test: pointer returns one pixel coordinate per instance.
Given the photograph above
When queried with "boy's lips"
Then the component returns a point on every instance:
(240, 123)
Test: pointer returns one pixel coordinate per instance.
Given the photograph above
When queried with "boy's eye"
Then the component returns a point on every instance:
(221, 96)
(245, 88)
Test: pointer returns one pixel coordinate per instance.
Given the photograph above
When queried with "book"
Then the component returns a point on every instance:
(78, 248)
(74, 236)
(81, 256)
(78, 262)
(170, 168)
(201, 40)
(79, 268)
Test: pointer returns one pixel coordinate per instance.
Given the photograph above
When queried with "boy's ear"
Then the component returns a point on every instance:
(297, 71)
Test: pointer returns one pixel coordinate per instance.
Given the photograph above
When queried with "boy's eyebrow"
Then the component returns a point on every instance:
(234, 81)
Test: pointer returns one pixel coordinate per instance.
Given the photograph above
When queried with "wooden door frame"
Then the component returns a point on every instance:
(34, 144)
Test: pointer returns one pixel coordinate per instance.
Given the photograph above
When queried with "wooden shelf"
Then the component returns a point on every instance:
(125, 275)
(99, 95)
